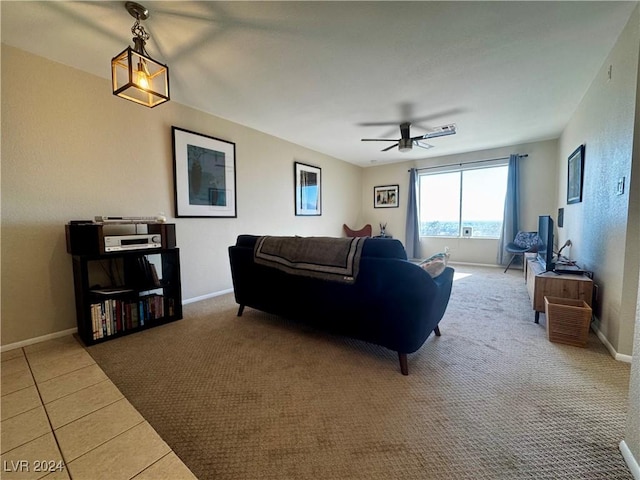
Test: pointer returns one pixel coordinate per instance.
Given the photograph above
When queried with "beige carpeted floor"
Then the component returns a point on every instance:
(259, 397)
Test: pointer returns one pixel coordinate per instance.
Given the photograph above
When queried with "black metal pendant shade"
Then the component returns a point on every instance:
(135, 75)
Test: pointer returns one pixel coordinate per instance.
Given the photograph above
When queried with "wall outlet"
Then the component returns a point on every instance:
(620, 186)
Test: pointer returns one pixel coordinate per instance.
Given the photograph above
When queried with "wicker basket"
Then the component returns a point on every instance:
(568, 320)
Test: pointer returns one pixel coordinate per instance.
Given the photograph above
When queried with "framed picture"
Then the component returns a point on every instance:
(575, 175)
(204, 173)
(308, 189)
(386, 196)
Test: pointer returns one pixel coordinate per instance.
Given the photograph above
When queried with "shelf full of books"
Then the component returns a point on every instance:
(125, 292)
(114, 316)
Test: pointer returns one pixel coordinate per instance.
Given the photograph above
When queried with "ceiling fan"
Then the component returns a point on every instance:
(406, 142)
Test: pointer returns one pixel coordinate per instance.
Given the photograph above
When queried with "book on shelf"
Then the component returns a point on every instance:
(141, 273)
(116, 315)
(154, 275)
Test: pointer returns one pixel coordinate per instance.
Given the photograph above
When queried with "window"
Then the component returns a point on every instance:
(453, 200)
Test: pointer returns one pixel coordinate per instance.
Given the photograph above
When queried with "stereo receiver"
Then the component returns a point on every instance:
(90, 238)
(116, 243)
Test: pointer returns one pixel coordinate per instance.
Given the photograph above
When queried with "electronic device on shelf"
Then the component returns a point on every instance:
(565, 266)
(117, 243)
(97, 238)
(545, 247)
(550, 262)
(138, 219)
(568, 269)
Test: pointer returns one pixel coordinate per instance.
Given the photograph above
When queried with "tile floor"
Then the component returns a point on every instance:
(62, 418)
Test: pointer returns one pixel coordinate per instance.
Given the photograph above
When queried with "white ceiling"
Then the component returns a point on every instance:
(314, 73)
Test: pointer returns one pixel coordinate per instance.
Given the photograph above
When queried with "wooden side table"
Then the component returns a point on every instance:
(542, 284)
(525, 267)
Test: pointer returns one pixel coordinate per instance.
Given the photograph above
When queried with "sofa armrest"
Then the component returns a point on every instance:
(405, 301)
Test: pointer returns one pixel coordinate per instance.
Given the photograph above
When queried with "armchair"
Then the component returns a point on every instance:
(523, 243)
(365, 231)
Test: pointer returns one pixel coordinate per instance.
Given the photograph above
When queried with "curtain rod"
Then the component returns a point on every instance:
(469, 163)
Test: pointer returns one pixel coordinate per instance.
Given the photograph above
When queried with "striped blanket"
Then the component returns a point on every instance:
(335, 259)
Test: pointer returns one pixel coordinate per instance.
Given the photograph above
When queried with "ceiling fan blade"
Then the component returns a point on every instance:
(443, 113)
(377, 124)
(379, 139)
(426, 146)
(389, 148)
(406, 115)
(419, 137)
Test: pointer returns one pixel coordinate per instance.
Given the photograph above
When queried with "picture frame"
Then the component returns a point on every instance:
(204, 174)
(575, 175)
(307, 189)
(386, 196)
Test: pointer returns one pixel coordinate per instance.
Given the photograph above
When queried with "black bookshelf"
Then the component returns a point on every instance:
(123, 292)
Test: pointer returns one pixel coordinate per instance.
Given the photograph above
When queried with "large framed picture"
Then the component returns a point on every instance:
(308, 189)
(204, 173)
(386, 196)
(575, 175)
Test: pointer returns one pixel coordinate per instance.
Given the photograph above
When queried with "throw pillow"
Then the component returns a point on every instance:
(435, 264)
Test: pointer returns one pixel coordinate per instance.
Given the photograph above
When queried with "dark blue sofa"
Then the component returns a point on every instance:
(393, 302)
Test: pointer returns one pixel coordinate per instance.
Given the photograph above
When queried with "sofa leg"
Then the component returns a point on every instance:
(240, 310)
(437, 331)
(404, 367)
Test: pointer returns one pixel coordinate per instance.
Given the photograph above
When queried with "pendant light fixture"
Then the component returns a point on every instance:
(135, 75)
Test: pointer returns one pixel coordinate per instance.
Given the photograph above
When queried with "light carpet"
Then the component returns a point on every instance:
(260, 397)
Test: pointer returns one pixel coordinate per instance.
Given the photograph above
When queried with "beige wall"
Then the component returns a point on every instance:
(71, 150)
(537, 197)
(605, 237)
(605, 227)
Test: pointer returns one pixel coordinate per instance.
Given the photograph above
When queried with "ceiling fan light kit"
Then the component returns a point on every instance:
(406, 142)
(405, 145)
(135, 75)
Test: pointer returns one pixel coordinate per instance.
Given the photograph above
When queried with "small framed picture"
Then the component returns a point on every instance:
(386, 196)
(575, 175)
(204, 172)
(308, 189)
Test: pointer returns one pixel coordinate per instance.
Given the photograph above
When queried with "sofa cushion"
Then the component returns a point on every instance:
(246, 240)
(384, 248)
(435, 264)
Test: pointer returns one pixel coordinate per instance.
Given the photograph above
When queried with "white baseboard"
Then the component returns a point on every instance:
(471, 264)
(71, 331)
(621, 357)
(43, 338)
(208, 295)
(632, 463)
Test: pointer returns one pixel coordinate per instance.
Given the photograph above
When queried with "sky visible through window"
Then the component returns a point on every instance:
(471, 198)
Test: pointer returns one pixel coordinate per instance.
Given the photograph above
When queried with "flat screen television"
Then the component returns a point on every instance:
(545, 247)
